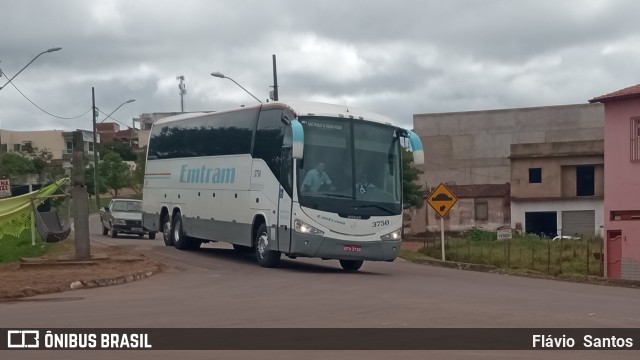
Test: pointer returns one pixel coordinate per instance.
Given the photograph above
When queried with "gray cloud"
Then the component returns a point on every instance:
(393, 57)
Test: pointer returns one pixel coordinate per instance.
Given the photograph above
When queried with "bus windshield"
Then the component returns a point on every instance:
(351, 167)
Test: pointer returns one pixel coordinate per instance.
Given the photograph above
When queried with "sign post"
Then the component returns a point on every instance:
(442, 200)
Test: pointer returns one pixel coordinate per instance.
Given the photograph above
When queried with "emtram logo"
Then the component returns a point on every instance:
(23, 339)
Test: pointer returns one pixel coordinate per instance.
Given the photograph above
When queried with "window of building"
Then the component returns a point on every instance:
(635, 139)
(3, 148)
(482, 210)
(69, 147)
(16, 147)
(585, 180)
(27, 146)
(90, 146)
(535, 175)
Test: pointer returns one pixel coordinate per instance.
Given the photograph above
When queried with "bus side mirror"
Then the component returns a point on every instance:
(297, 147)
(416, 147)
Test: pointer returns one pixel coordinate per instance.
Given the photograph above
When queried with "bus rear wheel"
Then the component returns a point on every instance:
(264, 256)
(351, 265)
(166, 230)
(180, 240)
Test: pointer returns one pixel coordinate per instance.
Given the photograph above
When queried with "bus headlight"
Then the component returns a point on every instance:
(392, 235)
(304, 228)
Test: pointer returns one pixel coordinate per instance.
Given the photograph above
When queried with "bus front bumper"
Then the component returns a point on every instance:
(330, 248)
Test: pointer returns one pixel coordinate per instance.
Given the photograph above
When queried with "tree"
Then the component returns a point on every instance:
(138, 173)
(413, 194)
(121, 148)
(88, 179)
(44, 166)
(114, 172)
(14, 164)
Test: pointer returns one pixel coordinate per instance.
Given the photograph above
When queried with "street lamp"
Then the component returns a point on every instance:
(220, 75)
(29, 63)
(96, 185)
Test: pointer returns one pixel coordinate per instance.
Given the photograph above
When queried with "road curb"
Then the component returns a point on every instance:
(118, 280)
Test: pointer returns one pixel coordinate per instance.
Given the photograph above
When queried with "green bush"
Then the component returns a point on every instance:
(13, 248)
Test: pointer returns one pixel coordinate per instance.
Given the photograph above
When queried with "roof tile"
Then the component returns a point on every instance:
(628, 92)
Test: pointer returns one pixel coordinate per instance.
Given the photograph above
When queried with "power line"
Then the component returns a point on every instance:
(114, 119)
(43, 110)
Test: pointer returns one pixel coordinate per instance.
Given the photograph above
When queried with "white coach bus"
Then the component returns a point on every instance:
(300, 179)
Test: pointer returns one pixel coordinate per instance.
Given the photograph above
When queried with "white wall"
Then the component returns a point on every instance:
(519, 208)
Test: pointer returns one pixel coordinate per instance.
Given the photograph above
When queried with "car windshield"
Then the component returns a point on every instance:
(126, 206)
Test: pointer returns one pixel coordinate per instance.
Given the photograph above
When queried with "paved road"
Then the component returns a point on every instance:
(215, 287)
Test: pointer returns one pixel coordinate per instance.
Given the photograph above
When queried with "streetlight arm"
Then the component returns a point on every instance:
(222, 76)
(119, 106)
(29, 63)
(245, 90)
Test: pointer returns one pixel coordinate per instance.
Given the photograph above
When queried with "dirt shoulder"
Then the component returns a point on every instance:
(61, 272)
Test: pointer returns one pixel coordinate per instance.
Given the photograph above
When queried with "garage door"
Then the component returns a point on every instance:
(578, 222)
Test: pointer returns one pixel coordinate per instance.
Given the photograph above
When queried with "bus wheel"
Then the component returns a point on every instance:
(180, 241)
(351, 265)
(166, 230)
(264, 256)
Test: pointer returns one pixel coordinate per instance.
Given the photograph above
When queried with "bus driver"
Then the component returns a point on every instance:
(316, 178)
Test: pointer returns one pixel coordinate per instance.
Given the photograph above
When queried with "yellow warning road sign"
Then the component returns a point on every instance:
(442, 200)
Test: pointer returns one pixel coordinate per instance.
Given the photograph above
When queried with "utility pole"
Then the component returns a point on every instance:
(96, 179)
(80, 199)
(183, 91)
(275, 80)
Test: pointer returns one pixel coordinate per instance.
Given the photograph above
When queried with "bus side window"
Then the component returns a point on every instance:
(286, 169)
(269, 139)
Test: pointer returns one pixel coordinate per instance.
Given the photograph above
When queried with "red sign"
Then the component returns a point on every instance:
(5, 188)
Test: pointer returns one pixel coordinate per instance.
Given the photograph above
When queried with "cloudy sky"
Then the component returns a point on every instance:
(397, 58)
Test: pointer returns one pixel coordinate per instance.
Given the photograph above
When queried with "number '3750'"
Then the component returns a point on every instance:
(380, 223)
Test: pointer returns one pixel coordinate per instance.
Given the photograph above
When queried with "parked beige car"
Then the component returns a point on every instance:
(124, 216)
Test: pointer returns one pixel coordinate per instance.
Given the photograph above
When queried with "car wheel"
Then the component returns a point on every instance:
(264, 256)
(152, 235)
(105, 230)
(114, 234)
(351, 265)
(166, 230)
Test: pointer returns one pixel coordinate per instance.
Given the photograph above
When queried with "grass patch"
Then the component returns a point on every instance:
(525, 252)
(13, 248)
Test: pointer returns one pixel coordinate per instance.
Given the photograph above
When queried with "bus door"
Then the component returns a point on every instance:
(285, 202)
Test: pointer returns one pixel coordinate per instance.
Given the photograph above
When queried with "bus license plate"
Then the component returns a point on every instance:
(353, 248)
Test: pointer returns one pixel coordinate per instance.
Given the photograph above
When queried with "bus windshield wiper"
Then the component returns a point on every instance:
(390, 211)
(338, 195)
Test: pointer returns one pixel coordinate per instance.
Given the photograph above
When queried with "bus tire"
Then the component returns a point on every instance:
(351, 265)
(152, 235)
(180, 240)
(264, 256)
(166, 230)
